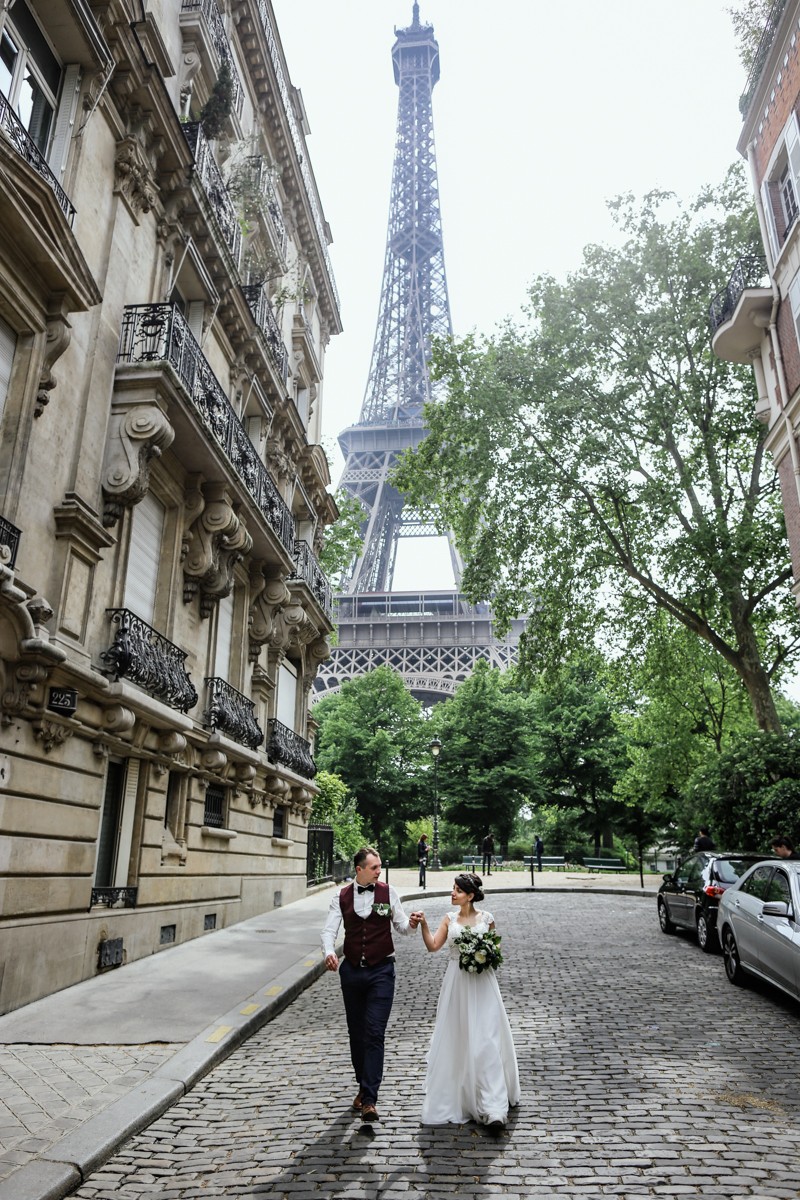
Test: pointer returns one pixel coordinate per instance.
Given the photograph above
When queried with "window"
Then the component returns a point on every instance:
(287, 694)
(214, 807)
(116, 824)
(280, 824)
(147, 531)
(30, 74)
(780, 191)
(757, 884)
(8, 344)
(224, 643)
(779, 889)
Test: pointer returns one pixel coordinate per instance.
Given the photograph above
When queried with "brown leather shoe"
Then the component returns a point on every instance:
(369, 1113)
(358, 1103)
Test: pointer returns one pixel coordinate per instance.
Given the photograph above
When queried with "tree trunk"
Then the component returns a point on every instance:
(752, 674)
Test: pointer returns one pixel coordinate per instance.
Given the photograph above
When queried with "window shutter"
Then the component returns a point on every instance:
(147, 530)
(794, 301)
(65, 121)
(769, 213)
(287, 694)
(792, 135)
(222, 653)
(8, 344)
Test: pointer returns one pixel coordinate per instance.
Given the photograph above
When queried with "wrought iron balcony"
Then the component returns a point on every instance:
(114, 897)
(287, 748)
(25, 146)
(761, 56)
(159, 333)
(216, 191)
(749, 272)
(260, 307)
(146, 657)
(232, 712)
(264, 188)
(297, 142)
(9, 537)
(219, 39)
(308, 569)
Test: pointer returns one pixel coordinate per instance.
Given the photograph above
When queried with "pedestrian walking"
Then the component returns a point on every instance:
(422, 858)
(369, 909)
(783, 848)
(472, 1071)
(538, 850)
(704, 840)
(487, 847)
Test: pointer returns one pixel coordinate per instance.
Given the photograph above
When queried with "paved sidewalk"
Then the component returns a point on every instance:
(84, 1069)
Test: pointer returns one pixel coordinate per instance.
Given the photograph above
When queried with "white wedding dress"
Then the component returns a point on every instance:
(472, 1066)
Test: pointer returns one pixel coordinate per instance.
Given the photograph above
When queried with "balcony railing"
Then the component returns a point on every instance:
(264, 187)
(761, 55)
(308, 570)
(219, 39)
(9, 537)
(114, 897)
(749, 272)
(287, 748)
(217, 193)
(232, 712)
(297, 142)
(264, 318)
(26, 147)
(159, 333)
(146, 657)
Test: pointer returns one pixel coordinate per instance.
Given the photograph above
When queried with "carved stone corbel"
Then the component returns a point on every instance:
(57, 337)
(133, 177)
(278, 461)
(138, 432)
(27, 658)
(190, 65)
(216, 541)
(267, 598)
(51, 734)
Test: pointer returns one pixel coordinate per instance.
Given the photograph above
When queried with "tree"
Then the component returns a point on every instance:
(749, 19)
(487, 765)
(371, 735)
(750, 793)
(217, 109)
(582, 754)
(600, 464)
(342, 539)
(333, 805)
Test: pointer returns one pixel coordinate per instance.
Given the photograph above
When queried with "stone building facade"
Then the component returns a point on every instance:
(756, 319)
(166, 300)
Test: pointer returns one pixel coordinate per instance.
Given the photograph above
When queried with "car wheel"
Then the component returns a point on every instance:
(733, 968)
(667, 926)
(706, 936)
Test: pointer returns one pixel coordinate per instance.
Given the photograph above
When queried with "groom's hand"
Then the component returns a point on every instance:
(331, 962)
(415, 918)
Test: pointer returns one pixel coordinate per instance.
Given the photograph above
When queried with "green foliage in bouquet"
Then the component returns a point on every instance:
(478, 951)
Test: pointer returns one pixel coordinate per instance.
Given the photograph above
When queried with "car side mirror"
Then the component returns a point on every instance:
(775, 908)
(667, 878)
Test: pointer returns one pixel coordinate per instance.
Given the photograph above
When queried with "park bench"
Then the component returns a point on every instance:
(548, 860)
(604, 864)
(474, 862)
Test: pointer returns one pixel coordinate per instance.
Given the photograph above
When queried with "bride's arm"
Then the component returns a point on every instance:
(434, 941)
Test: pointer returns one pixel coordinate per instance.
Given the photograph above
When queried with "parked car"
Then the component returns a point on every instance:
(689, 897)
(759, 924)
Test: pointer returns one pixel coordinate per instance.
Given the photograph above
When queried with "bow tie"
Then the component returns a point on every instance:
(370, 887)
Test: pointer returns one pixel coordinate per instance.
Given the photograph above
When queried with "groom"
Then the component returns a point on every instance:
(368, 909)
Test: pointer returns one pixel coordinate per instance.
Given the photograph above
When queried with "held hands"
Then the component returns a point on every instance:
(416, 918)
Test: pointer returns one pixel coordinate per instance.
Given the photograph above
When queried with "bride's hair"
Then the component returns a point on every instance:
(471, 883)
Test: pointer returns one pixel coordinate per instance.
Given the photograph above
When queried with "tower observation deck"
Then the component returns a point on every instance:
(432, 638)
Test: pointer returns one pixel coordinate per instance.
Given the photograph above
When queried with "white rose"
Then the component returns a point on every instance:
(480, 956)
(473, 968)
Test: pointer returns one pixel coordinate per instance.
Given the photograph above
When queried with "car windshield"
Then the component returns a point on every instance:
(728, 870)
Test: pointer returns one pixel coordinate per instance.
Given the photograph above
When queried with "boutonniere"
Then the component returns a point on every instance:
(381, 910)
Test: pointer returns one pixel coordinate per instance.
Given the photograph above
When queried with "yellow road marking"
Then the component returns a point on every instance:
(219, 1033)
(249, 1008)
(273, 991)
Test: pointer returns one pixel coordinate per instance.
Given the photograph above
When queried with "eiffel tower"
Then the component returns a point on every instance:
(432, 638)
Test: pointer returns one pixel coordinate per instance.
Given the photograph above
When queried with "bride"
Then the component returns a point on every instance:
(472, 1067)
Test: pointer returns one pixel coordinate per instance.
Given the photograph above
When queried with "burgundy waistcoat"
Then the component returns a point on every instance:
(369, 937)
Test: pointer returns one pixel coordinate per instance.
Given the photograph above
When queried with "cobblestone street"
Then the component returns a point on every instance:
(644, 1073)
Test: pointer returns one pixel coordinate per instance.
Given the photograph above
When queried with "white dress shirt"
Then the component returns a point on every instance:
(362, 904)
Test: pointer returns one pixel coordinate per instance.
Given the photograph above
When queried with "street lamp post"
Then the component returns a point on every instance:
(435, 748)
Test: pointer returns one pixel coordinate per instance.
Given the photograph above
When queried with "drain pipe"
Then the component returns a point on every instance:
(773, 325)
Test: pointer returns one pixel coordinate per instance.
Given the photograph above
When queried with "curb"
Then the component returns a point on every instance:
(58, 1171)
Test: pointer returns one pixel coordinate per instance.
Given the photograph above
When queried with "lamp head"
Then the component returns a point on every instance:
(435, 747)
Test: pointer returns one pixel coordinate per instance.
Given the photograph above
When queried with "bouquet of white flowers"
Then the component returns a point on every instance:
(478, 951)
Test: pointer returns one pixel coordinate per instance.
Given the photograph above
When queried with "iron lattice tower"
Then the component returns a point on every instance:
(432, 638)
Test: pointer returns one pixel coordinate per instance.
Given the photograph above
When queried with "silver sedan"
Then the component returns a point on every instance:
(759, 925)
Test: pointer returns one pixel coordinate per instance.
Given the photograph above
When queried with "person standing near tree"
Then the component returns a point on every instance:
(488, 852)
(538, 850)
(422, 857)
(369, 909)
(704, 840)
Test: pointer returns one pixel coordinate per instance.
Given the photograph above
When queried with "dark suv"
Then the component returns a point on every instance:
(689, 898)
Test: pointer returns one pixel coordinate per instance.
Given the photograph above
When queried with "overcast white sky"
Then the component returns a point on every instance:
(543, 112)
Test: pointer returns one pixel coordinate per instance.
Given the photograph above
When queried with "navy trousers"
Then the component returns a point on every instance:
(368, 993)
